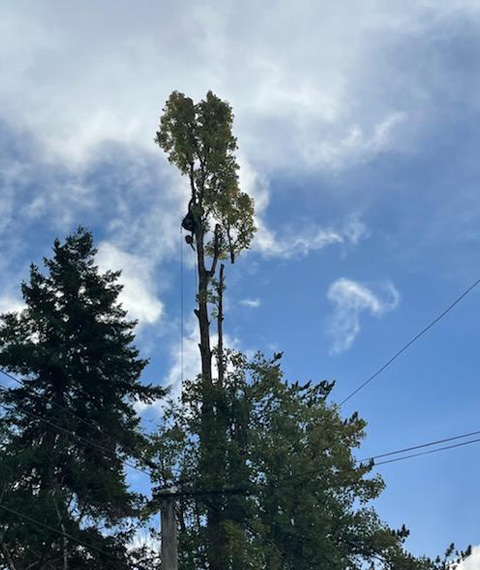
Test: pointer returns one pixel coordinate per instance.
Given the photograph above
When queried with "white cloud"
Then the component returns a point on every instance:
(272, 244)
(252, 303)
(350, 299)
(80, 78)
(80, 84)
(472, 562)
(10, 304)
(138, 295)
(355, 146)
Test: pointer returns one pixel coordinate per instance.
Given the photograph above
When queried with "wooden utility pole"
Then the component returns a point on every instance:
(169, 532)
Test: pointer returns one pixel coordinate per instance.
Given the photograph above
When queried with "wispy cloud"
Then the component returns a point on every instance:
(77, 86)
(355, 146)
(80, 94)
(350, 299)
(252, 303)
(272, 244)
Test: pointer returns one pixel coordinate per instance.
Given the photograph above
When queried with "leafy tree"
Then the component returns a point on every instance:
(198, 140)
(295, 497)
(71, 422)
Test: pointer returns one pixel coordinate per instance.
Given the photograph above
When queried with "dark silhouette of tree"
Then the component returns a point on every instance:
(68, 428)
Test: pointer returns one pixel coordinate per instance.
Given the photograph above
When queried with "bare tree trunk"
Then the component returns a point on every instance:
(64, 538)
(202, 310)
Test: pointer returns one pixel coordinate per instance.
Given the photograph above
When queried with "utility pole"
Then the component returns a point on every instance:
(166, 498)
(169, 530)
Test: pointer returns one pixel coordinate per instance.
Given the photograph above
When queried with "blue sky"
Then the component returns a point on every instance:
(358, 132)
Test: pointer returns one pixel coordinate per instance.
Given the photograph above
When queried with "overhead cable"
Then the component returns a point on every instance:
(410, 342)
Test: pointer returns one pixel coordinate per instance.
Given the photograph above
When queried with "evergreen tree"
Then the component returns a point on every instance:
(295, 496)
(72, 423)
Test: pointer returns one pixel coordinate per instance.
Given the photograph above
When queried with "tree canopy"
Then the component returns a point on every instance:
(295, 495)
(198, 140)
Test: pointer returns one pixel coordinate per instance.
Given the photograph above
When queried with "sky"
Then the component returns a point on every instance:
(357, 124)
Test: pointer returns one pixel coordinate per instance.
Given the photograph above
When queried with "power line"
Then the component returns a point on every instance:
(409, 343)
(286, 480)
(422, 445)
(40, 524)
(430, 451)
(406, 449)
(80, 419)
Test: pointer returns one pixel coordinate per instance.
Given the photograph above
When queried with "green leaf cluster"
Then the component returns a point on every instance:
(198, 140)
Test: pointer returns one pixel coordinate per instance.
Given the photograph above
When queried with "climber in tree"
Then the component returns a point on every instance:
(188, 224)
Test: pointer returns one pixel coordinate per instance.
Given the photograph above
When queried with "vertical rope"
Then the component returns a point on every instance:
(196, 278)
(181, 304)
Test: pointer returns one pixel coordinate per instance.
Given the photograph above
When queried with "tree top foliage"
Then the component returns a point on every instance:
(198, 140)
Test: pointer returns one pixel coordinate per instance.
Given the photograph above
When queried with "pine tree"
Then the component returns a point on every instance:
(72, 422)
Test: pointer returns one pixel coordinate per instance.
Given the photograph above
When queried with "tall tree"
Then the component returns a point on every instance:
(271, 464)
(198, 140)
(72, 421)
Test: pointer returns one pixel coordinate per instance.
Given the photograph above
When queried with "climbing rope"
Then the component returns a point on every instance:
(181, 304)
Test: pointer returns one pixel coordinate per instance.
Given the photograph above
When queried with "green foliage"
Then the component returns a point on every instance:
(198, 140)
(304, 502)
(72, 346)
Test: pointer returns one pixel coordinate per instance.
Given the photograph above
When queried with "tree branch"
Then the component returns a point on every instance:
(220, 359)
(216, 251)
(62, 526)
(8, 557)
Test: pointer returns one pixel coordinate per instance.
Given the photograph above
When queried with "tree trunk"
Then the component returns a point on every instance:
(202, 311)
(211, 467)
